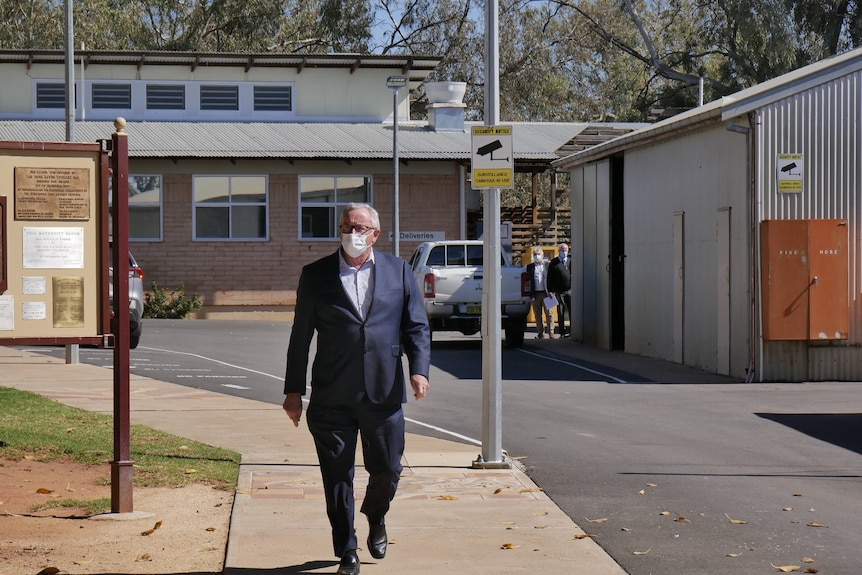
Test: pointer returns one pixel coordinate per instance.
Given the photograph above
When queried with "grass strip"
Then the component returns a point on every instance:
(34, 426)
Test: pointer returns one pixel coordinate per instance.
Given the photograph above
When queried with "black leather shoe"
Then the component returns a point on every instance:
(377, 540)
(349, 563)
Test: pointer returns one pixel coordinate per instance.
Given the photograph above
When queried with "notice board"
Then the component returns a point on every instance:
(52, 272)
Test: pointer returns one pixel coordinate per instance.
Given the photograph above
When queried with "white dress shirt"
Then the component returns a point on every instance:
(358, 282)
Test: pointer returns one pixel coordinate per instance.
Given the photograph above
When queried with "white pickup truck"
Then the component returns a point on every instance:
(449, 274)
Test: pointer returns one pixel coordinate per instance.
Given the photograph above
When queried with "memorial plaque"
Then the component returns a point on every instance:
(52, 194)
(68, 301)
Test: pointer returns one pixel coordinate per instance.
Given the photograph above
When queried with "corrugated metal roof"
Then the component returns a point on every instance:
(729, 107)
(531, 141)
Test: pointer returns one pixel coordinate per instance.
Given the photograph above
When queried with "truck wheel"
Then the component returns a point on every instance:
(515, 335)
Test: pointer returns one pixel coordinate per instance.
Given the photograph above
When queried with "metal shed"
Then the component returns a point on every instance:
(727, 238)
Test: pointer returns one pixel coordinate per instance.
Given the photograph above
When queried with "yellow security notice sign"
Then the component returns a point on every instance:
(493, 163)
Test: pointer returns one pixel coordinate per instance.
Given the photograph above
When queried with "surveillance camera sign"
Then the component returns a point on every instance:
(493, 161)
(790, 173)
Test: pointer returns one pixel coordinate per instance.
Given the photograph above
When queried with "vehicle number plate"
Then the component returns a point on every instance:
(474, 309)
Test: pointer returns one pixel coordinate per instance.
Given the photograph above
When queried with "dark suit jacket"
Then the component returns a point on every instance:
(357, 357)
(559, 275)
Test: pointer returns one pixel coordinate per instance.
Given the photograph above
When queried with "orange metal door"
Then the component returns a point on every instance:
(828, 269)
(784, 257)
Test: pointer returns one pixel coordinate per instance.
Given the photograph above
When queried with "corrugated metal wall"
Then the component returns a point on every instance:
(825, 125)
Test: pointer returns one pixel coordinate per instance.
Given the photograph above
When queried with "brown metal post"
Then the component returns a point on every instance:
(121, 466)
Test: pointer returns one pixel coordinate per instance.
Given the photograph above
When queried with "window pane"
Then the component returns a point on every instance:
(166, 97)
(145, 222)
(112, 96)
(212, 222)
(474, 255)
(437, 257)
(455, 256)
(353, 190)
(248, 189)
(212, 189)
(145, 189)
(272, 98)
(248, 222)
(318, 222)
(219, 97)
(317, 189)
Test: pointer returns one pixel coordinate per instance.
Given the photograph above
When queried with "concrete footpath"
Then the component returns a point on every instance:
(447, 517)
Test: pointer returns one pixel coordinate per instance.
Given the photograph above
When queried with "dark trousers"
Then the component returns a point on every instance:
(564, 308)
(335, 430)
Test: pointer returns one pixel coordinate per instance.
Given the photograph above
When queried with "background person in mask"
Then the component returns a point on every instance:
(367, 310)
(538, 272)
(560, 284)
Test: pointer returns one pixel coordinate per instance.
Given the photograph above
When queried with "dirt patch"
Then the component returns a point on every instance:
(191, 536)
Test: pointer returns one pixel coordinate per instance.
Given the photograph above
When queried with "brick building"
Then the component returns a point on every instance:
(240, 163)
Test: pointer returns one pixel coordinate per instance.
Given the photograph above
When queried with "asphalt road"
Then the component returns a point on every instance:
(670, 479)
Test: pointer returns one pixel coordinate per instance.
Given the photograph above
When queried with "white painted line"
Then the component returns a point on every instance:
(446, 431)
(234, 386)
(212, 360)
(573, 364)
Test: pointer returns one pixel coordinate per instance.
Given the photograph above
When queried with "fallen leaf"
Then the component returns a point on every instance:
(787, 568)
(664, 513)
(796, 521)
(447, 497)
(144, 557)
(602, 520)
(735, 521)
(530, 490)
(811, 510)
(211, 528)
(207, 549)
(509, 546)
(580, 536)
(815, 524)
(641, 492)
(812, 570)
(44, 491)
(48, 571)
(540, 514)
(808, 560)
(652, 484)
(642, 552)
(625, 529)
(69, 488)
(540, 526)
(190, 471)
(787, 509)
(70, 430)
(151, 531)
(734, 555)
(498, 490)
(681, 519)
(797, 495)
(82, 562)
(511, 527)
(183, 447)
(31, 458)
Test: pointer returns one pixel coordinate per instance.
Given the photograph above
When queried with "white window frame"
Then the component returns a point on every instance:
(337, 205)
(159, 204)
(230, 205)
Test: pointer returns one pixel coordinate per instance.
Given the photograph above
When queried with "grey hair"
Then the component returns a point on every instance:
(352, 207)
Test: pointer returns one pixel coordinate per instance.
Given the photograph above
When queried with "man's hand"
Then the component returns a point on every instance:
(420, 385)
(293, 407)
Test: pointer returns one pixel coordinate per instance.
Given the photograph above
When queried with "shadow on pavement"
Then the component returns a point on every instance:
(305, 569)
(841, 429)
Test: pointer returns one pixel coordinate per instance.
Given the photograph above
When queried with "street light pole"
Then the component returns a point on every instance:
(395, 83)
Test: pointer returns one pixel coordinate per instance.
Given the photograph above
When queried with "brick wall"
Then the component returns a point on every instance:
(266, 273)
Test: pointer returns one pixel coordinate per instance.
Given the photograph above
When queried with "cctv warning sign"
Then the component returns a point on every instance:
(790, 173)
(493, 162)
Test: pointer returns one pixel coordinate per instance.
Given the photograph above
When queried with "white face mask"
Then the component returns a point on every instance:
(354, 244)
(564, 255)
(537, 258)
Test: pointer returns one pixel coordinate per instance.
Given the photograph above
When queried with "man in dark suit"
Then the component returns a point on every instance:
(367, 310)
(560, 283)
